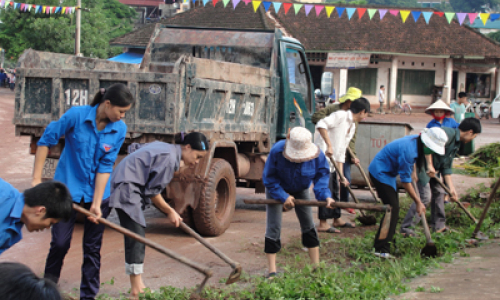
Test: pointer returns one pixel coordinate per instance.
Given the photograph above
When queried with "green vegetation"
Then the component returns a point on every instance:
(348, 269)
(106, 20)
(485, 162)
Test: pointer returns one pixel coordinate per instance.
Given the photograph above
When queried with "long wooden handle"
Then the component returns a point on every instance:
(200, 268)
(367, 180)
(458, 203)
(426, 228)
(487, 207)
(300, 202)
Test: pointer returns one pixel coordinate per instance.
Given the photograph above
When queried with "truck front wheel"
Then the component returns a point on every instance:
(217, 201)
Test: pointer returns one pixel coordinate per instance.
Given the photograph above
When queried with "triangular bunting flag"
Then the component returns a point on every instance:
(350, 12)
(318, 9)
(308, 8)
(287, 6)
(247, 1)
(26, 7)
(484, 18)
(205, 2)
(416, 15)
(22, 6)
(16, 5)
(394, 12)
(382, 13)
(329, 10)
(225, 2)
(461, 17)
(214, 2)
(277, 6)
(493, 17)
(29, 7)
(256, 5)
(472, 17)
(371, 12)
(449, 16)
(235, 3)
(43, 9)
(59, 9)
(47, 11)
(340, 11)
(427, 16)
(297, 7)
(37, 8)
(361, 12)
(439, 13)
(404, 15)
(53, 10)
(68, 10)
(6, 4)
(267, 4)
(2, 3)
(63, 10)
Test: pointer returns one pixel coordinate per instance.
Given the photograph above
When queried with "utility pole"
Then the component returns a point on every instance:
(78, 24)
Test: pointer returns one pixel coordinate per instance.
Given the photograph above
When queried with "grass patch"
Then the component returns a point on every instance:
(348, 269)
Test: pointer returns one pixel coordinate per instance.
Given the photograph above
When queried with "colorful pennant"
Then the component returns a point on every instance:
(382, 13)
(404, 15)
(361, 12)
(329, 10)
(371, 12)
(350, 12)
(461, 17)
(308, 8)
(449, 17)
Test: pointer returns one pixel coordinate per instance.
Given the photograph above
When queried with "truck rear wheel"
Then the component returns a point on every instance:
(217, 200)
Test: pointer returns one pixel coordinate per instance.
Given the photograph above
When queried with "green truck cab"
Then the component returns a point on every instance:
(243, 89)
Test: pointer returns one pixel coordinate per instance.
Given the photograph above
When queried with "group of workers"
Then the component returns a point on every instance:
(95, 133)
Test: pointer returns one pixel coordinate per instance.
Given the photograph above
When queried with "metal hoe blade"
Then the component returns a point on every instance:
(235, 275)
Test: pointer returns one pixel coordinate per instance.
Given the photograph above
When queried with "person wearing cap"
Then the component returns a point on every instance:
(398, 158)
(291, 167)
(468, 129)
(333, 136)
(343, 104)
(441, 113)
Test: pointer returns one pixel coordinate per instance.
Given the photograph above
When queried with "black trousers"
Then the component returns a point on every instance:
(390, 197)
(327, 213)
(134, 250)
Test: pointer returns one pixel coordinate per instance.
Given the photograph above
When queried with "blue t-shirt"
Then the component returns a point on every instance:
(396, 158)
(11, 209)
(86, 151)
(447, 122)
(282, 176)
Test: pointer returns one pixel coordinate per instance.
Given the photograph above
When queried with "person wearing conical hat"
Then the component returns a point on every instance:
(291, 167)
(441, 113)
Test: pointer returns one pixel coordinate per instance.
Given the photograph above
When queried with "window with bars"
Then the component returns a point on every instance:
(415, 82)
(363, 79)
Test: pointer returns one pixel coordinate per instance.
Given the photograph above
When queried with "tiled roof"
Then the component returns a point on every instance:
(324, 34)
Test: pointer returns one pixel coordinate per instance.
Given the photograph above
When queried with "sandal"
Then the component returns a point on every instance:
(271, 276)
(347, 225)
(330, 230)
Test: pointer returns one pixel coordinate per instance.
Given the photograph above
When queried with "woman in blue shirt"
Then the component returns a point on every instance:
(93, 137)
(399, 158)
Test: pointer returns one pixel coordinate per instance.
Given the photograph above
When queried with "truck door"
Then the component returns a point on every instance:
(298, 101)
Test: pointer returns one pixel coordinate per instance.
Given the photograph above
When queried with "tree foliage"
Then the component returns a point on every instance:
(106, 20)
(494, 36)
(398, 3)
(472, 5)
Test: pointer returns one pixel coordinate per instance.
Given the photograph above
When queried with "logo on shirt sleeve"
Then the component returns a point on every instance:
(107, 147)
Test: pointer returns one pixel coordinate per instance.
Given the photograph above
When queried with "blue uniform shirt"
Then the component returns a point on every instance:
(282, 176)
(395, 158)
(86, 151)
(447, 122)
(11, 209)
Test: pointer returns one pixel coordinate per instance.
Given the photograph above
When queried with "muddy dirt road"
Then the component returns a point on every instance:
(243, 241)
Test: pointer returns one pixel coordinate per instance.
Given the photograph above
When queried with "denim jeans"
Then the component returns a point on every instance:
(274, 214)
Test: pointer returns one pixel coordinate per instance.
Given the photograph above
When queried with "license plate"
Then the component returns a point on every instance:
(49, 168)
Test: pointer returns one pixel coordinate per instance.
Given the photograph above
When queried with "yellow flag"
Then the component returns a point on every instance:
(43, 9)
(256, 5)
(484, 18)
(329, 10)
(63, 10)
(404, 14)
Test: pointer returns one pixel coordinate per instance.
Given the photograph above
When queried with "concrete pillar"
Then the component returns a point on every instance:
(497, 88)
(393, 80)
(448, 77)
(343, 82)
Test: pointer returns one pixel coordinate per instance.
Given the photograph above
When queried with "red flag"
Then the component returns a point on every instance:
(287, 6)
(439, 13)
(214, 2)
(361, 12)
(54, 9)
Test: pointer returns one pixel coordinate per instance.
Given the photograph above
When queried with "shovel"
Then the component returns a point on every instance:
(386, 222)
(235, 274)
(200, 268)
(430, 249)
(364, 219)
(367, 180)
(458, 203)
(476, 233)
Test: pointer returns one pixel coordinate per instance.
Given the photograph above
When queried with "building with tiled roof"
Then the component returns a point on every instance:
(418, 61)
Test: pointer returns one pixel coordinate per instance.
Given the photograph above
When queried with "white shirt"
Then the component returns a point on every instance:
(341, 127)
(381, 96)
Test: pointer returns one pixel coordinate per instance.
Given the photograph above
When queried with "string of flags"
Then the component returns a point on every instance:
(44, 9)
(350, 11)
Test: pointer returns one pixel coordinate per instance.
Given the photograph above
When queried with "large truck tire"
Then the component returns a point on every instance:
(217, 201)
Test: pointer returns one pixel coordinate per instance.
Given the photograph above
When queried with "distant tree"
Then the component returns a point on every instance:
(472, 5)
(494, 36)
(106, 20)
(399, 3)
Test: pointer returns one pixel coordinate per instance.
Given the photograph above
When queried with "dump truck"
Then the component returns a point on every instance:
(243, 89)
